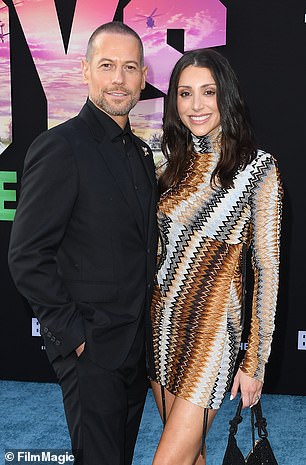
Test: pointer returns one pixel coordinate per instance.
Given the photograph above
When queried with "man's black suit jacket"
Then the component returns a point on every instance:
(78, 252)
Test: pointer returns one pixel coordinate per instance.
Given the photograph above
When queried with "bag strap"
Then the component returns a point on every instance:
(260, 423)
(253, 428)
(236, 420)
(162, 390)
(204, 432)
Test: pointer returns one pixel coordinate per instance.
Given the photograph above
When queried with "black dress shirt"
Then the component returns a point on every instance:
(125, 148)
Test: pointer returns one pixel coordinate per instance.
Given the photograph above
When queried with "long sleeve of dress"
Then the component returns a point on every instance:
(265, 240)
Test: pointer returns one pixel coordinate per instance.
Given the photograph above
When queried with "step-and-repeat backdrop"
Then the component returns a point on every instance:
(41, 46)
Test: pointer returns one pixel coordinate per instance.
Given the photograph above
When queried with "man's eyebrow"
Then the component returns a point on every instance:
(113, 61)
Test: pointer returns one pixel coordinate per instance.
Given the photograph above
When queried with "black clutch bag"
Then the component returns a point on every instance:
(261, 452)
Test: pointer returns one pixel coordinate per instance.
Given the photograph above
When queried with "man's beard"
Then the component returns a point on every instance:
(121, 109)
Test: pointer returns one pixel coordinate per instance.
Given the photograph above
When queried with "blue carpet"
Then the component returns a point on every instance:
(31, 417)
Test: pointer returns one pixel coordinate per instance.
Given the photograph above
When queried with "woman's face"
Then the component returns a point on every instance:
(197, 100)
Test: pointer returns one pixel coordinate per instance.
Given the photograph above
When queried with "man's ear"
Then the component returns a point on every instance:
(144, 76)
(85, 70)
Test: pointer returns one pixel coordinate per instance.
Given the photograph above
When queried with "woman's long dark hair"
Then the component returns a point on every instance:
(237, 146)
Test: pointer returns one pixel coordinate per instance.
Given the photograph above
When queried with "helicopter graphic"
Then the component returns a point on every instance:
(2, 24)
(149, 18)
(2, 33)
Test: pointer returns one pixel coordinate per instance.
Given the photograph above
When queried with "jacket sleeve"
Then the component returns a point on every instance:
(49, 190)
(266, 208)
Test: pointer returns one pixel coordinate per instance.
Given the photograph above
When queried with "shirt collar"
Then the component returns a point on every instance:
(113, 130)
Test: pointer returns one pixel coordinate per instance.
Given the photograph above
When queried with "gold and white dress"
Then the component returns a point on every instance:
(196, 309)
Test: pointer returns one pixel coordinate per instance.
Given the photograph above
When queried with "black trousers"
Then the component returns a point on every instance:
(103, 408)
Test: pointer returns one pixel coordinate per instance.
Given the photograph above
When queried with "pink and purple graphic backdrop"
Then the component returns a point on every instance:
(204, 23)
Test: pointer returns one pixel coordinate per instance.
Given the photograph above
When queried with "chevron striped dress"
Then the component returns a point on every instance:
(196, 309)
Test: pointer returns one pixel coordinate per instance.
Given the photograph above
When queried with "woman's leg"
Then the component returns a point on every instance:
(180, 442)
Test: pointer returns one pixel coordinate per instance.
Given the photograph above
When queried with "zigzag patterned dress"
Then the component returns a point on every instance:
(196, 309)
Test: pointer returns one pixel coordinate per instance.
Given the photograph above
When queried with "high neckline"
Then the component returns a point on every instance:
(209, 143)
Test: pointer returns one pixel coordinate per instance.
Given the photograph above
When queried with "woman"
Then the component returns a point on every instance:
(220, 195)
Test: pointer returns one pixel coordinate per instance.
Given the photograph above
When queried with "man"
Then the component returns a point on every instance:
(83, 249)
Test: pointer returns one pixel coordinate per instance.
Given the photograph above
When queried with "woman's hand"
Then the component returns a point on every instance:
(250, 389)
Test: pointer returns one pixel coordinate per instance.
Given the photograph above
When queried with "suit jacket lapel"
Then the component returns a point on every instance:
(148, 162)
